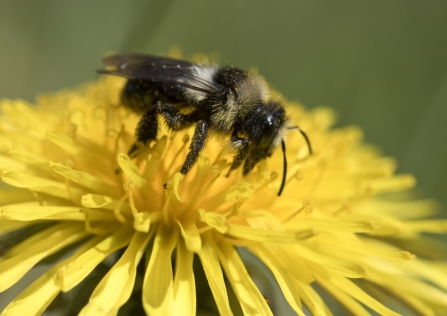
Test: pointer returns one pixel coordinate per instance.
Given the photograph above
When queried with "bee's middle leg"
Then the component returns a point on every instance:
(197, 144)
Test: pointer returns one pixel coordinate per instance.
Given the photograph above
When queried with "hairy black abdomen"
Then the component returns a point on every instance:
(140, 95)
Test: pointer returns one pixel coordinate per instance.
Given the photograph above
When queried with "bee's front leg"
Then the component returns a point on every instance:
(241, 145)
(249, 164)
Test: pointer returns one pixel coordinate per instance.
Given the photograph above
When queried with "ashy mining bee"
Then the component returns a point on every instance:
(225, 100)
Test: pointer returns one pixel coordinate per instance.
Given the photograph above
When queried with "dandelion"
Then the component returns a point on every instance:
(335, 226)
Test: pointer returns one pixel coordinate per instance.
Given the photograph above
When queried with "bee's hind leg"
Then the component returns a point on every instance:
(146, 130)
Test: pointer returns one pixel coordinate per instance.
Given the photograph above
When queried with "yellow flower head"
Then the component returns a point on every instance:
(71, 184)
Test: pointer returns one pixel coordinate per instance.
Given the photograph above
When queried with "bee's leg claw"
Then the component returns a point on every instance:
(241, 145)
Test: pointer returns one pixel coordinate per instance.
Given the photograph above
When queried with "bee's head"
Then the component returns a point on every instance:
(268, 128)
(265, 129)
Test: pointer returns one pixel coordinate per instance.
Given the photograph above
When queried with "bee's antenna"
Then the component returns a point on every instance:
(283, 147)
(305, 137)
(284, 175)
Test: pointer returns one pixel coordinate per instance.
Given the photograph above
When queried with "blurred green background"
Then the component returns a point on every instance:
(380, 64)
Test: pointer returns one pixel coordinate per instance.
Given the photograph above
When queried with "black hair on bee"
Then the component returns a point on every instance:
(225, 100)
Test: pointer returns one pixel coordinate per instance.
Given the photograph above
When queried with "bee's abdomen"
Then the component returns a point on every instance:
(140, 95)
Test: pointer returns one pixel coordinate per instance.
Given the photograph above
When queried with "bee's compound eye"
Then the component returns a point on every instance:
(269, 131)
(265, 140)
(267, 135)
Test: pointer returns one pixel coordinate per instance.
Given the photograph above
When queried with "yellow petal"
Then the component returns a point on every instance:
(213, 272)
(171, 188)
(116, 287)
(29, 158)
(11, 196)
(342, 226)
(7, 225)
(410, 287)
(419, 307)
(251, 300)
(102, 201)
(153, 167)
(90, 153)
(10, 164)
(50, 187)
(264, 220)
(85, 179)
(13, 139)
(349, 287)
(393, 184)
(35, 212)
(173, 185)
(242, 189)
(267, 221)
(13, 268)
(191, 236)
(428, 270)
(214, 220)
(281, 255)
(312, 300)
(158, 280)
(25, 112)
(184, 284)
(74, 272)
(130, 169)
(238, 192)
(347, 301)
(26, 212)
(346, 268)
(262, 235)
(143, 221)
(385, 225)
(401, 209)
(283, 277)
(36, 297)
(37, 237)
(367, 246)
(431, 226)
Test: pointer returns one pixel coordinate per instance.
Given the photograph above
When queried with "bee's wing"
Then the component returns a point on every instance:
(158, 69)
(142, 66)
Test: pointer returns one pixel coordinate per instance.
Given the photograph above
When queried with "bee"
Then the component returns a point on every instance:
(225, 100)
